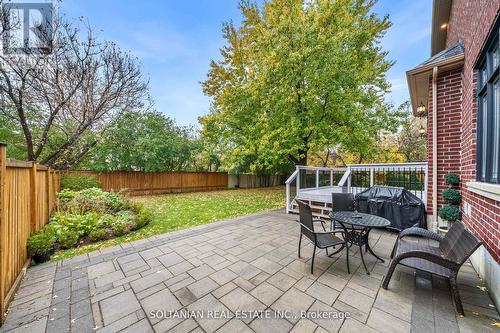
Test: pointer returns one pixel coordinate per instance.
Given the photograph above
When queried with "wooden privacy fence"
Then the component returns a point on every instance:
(141, 183)
(27, 197)
(253, 181)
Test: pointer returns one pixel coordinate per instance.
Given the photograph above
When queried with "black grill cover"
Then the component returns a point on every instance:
(398, 205)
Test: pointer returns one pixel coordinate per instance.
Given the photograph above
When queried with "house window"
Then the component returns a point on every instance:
(488, 103)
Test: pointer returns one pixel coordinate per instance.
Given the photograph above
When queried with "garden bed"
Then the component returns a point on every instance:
(84, 217)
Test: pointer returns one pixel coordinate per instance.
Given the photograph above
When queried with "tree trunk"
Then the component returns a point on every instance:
(302, 160)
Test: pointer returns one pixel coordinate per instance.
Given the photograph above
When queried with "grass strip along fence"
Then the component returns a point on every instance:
(27, 197)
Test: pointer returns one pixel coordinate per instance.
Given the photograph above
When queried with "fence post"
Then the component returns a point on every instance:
(48, 181)
(372, 176)
(3, 221)
(317, 178)
(33, 194)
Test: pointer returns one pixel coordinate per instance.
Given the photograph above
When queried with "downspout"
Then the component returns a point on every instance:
(434, 151)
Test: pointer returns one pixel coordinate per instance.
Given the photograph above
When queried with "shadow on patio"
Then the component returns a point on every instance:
(227, 268)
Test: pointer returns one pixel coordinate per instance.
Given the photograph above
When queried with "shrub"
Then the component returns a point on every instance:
(123, 223)
(40, 242)
(91, 200)
(67, 239)
(449, 213)
(451, 195)
(79, 224)
(78, 182)
(142, 218)
(452, 179)
(65, 196)
(106, 220)
(100, 234)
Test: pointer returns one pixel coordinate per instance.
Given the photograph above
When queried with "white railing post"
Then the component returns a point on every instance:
(317, 178)
(331, 177)
(349, 180)
(288, 183)
(298, 179)
(372, 177)
(287, 198)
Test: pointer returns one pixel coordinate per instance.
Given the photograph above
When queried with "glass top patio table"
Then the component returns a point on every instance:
(360, 219)
(359, 235)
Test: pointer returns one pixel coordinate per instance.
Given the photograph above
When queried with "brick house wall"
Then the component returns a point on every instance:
(449, 119)
(470, 22)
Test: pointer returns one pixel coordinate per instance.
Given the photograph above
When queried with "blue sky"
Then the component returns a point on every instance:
(175, 41)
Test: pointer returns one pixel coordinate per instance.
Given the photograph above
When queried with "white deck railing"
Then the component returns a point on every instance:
(358, 177)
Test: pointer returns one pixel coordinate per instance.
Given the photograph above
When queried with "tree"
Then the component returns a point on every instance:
(297, 75)
(147, 141)
(412, 144)
(63, 98)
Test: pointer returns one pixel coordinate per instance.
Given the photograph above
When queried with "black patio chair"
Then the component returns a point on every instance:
(344, 202)
(444, 260)
(322, 239)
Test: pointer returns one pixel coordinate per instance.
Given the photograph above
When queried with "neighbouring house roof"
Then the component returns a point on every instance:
(418, 77)
(440, 17)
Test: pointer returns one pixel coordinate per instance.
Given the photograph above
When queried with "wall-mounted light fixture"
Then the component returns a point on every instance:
(444, 25)
(422, 131)
(421, 110)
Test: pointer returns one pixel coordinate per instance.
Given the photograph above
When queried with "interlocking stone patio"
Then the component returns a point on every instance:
(247, 263)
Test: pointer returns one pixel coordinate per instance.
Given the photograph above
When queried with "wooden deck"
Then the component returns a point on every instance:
(320, 199)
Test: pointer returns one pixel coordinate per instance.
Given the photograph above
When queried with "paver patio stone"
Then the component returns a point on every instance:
(100, 269)
(201, 271)
(351, 325)
(304, 326)
(353, 312)
(330, 323)
(293, 301)
(186, 326)
(210, 303)
(83, 324)
(263, 325)
(323, 293)
(202, 287)
(356, 299)
(239, 300)
(282, 281)
(80, 309)
(386, 323)
(108, 278)
(115, 289)
(394, 304)
(223, 276)
(243, 284)
(170, 259)
(185, 296)
(266, 293)
(266, 265)
(160, 302)
(118, 306)
(233, 326)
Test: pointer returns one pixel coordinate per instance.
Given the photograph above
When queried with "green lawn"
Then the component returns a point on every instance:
(184, 210)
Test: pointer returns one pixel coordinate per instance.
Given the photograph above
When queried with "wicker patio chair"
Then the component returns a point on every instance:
(343, 202)
(322, 239)
(444, 260)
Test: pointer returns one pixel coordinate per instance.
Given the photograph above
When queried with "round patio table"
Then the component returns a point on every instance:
(360, 226)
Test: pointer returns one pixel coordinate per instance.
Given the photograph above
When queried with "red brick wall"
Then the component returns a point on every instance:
(470, 22)
(449, 101)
